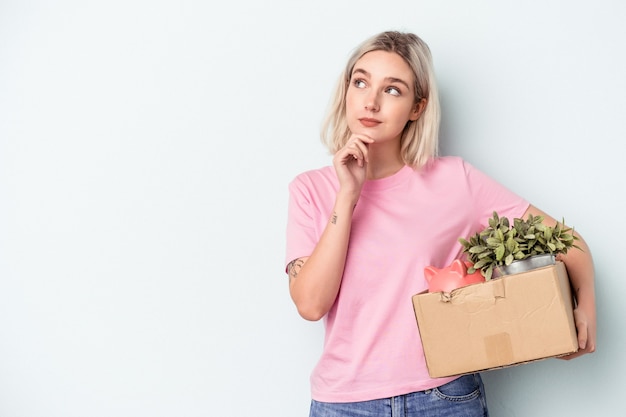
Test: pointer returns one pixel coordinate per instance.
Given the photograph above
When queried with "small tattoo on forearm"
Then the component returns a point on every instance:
(333, 219)
(294, 267)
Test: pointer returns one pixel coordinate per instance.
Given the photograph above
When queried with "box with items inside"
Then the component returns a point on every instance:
(505, 321)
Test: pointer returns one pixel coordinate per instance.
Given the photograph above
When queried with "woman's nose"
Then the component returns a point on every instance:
(371, 102)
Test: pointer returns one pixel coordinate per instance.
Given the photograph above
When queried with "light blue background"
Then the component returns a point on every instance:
(145, 151)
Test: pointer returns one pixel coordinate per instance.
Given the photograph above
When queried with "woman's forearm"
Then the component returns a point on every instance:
(580, 268)
(314, 283)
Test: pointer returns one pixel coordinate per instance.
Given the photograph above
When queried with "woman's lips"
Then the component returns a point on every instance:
(367, 122)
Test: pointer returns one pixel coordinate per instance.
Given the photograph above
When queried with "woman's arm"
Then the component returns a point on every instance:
(580, 269)
(314, 281)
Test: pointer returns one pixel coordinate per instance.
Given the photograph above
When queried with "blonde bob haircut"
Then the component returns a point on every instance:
(420, 138)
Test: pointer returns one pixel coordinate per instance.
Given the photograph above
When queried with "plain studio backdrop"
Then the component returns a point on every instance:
(145, 152)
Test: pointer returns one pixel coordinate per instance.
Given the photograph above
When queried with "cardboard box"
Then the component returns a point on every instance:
(505, 321)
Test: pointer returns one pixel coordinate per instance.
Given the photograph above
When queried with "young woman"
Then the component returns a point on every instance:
(360, 233)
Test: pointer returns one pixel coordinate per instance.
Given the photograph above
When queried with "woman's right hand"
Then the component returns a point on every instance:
(350, 163)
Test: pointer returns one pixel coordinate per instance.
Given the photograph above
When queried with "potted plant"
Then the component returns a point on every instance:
(502, 248)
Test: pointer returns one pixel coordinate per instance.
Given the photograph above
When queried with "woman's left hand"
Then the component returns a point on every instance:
(586, 329)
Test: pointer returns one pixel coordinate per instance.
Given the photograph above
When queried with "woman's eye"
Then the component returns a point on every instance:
(393, 91)
(359, 83)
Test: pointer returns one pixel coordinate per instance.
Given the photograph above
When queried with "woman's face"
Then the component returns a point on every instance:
(380, 98)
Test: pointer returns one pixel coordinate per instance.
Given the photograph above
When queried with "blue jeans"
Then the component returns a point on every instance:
(463, 397)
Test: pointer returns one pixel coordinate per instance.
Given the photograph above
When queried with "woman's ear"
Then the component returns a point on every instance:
(418, 109)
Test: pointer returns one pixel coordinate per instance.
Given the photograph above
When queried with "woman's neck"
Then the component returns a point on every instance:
(384, 161)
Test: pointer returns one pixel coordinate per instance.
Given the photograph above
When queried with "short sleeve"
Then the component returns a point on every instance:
(488, 195)
(301, 235)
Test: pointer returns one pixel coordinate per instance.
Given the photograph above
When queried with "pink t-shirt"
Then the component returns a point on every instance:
(401, 224)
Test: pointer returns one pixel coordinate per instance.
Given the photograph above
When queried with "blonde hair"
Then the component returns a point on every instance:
(420, 138)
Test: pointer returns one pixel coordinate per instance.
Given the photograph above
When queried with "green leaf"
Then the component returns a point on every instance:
(488, 273)
(499, 252)
(477, 249)
(548, 233)
(519, 255)
(481, 263)
(511, 245)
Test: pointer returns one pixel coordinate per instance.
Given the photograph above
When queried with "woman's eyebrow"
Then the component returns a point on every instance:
(398, 80)
(388, 79)
(361, 71)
